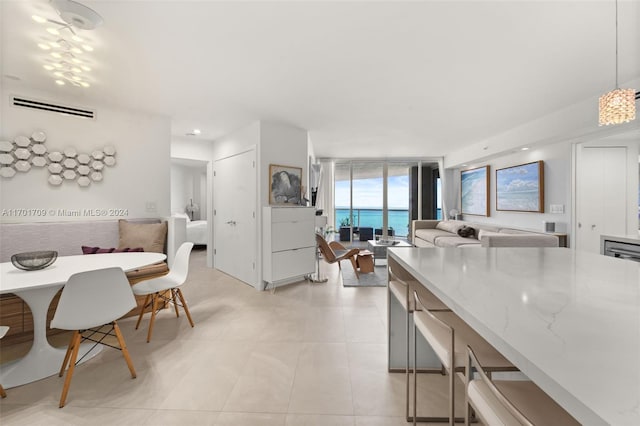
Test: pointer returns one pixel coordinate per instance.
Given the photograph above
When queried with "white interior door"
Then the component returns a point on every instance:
(601, 200)
(235, 237)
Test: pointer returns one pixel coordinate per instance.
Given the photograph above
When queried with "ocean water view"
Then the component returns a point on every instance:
(398, 219)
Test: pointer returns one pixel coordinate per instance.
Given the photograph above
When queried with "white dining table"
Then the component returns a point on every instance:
(569, 320)
(37, 289)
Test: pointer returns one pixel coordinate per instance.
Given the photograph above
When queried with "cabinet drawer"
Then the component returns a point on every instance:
(293, 263)
(292, 214)
(291, 235)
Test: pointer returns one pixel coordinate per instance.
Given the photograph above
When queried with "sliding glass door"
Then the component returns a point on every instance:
(371, 197)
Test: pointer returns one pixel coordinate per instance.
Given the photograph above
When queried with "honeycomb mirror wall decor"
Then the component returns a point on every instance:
(25, 153)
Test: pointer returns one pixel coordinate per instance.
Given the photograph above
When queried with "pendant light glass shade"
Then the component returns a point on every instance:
(617, 106)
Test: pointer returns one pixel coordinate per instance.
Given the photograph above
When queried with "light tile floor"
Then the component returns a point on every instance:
(308, 354)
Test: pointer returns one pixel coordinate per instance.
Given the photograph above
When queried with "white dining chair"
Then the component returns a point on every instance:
(448, 335)
(509, 402)
(156, 289)
(77, 311)
(3, 331)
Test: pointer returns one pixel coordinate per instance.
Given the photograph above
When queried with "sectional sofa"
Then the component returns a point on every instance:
(437, 233)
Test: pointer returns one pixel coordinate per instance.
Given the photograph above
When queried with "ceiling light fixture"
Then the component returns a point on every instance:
(619, 105)
(196, 131)
(77, 15)
(525, 148)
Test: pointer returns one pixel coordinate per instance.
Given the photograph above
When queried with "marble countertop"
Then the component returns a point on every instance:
(569, 320)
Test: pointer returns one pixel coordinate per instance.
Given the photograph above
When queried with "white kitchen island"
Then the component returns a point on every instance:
(568, 320)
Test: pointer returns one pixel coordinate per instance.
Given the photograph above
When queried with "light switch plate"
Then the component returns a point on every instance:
(556, 208)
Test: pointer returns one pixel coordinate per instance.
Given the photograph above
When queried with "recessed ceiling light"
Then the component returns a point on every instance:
(196, 131)
(525, 148)
(60, 82)
(38, 19)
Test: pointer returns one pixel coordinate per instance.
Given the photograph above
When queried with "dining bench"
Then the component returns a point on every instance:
(68, 239)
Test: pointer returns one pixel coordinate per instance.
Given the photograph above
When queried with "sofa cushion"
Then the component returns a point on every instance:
(485, 226)
(150, 236)
(483, 233)
(514, 231)
(450, 225)
(455, 241)
(430, 235)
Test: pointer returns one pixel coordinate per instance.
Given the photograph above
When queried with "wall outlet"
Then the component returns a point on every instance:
(150, 207)
(556, 208)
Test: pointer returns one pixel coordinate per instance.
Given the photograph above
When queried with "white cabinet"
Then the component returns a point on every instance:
(288, 243)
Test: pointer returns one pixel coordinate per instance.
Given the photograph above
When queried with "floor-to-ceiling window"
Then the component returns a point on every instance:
(360, 200)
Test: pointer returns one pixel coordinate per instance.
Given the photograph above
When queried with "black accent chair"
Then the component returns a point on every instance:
(366, 233)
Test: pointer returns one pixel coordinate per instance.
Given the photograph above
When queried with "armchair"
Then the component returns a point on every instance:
(334, 252)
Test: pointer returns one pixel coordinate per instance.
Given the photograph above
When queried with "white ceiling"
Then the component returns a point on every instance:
(367, 79)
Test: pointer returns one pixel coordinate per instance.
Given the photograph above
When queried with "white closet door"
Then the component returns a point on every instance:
(601, 200)
(235, 238)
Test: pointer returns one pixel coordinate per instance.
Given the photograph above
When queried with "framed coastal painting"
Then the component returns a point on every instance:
(285, 184)
(474, 191)
(521, 188)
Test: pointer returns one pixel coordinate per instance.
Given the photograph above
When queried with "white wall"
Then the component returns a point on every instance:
(275, 143)
(186, 186)
(284, 145)
(557, 178)
(139, 182)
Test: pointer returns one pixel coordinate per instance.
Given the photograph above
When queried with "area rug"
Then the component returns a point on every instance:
(378, 278)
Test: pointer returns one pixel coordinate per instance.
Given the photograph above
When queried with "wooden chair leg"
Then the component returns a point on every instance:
(125, 351)
(355, 266)
(144, 306)
(184, 305)
(3, 394)
(174, 298)
(154, 299)
(66, 356)
(72, 367)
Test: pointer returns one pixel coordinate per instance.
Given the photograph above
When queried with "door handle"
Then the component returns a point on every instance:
(231, 222)
(593, 227)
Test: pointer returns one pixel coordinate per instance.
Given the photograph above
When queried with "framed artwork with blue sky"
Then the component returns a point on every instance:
(521, 188)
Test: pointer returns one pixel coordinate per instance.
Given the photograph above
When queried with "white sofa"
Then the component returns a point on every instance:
(437, 233)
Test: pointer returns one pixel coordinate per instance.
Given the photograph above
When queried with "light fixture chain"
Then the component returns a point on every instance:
(617, 85)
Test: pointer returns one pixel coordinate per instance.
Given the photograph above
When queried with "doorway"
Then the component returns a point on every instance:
(234, 216)
(606, 191)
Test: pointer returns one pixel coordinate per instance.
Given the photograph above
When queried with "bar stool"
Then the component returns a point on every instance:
(449, 337)
(509, 402)
(400, 281)
(3, 331)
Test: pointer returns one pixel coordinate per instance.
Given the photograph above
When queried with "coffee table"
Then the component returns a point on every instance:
(380, 250)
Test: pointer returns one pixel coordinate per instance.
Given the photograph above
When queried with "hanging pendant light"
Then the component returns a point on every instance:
(619, 105)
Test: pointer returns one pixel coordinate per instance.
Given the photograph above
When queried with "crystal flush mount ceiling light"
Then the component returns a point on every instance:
(619, 105)
(63, 44)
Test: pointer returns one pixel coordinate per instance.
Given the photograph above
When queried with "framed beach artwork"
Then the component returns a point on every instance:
(521, 188)
(474, 191)
(285, 184)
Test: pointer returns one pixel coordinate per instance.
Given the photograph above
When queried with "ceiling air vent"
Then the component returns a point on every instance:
(48, 106)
